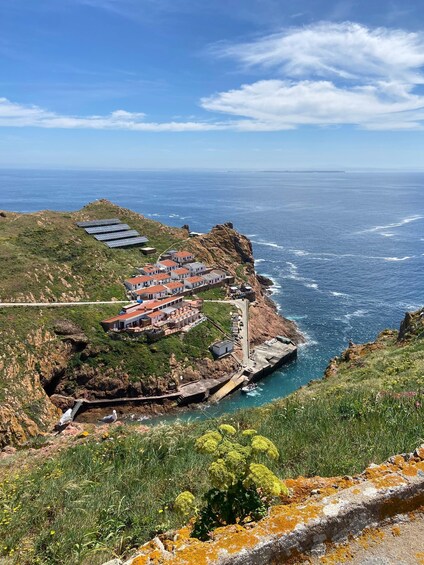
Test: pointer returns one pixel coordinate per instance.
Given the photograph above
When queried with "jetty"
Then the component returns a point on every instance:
(264, 359)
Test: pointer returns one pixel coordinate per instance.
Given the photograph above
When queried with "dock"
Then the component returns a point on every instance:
(234, 383)
(264, 359)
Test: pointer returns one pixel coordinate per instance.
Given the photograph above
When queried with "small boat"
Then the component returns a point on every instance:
(249, 388)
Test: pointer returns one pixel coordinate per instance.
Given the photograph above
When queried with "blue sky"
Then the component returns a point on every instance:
(225, 84)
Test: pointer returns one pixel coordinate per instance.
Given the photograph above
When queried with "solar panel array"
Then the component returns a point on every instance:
(127, 242)
(108, 229)
(116, 235)
(93, 223)
(113, 233)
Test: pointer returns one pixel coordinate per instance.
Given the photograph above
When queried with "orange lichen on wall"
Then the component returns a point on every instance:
(230, 539)
(344, 552)
(300, 488)
(396, 531)
(339, 555)
(389, 474)
(301, 508)
(420, 557)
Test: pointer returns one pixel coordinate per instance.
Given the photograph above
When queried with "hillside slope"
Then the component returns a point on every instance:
(46, 257)
(103, 495)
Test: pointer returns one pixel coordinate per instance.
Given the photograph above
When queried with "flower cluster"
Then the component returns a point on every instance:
(184, 503)
(241, 483)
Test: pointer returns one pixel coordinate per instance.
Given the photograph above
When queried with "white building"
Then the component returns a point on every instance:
(149, 270)
(167, 265)
(180, 274)
(162, 278)
(152, 292)
(142, 281)
(196, 268)
(193, 282)
(175, 287)
(182, 257)
(214, 277)
(221, 348)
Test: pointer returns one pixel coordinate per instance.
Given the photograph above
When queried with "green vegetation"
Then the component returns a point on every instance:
(241, 273)
(217, 293)
(220, 314)
(47, 257)
(242, 486)
(101, 498)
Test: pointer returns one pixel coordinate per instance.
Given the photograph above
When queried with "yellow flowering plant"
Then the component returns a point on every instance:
(242, 486)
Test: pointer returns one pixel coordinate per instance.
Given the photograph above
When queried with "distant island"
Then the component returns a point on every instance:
(331, 171)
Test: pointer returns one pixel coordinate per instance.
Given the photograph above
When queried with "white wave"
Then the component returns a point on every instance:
(312, 285)
(398, 224)
(257, 261)
(360, 313)
(387, 234)
(396, 258)
(178, 216)
(309, 341)
(341, 294)
(268, 244)
(300, 252)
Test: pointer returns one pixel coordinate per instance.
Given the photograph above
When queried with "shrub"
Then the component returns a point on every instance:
(242, 486)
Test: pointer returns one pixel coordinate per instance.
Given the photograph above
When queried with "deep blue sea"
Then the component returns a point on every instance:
(346, 250)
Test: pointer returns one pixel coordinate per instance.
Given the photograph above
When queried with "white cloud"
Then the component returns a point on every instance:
(327, 74)
(286, 104)
(19, 115)
(336, 50)
(320, 75)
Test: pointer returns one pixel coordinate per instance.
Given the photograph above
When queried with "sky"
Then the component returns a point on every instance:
(228, 84)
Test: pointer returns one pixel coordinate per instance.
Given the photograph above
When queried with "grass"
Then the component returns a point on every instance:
(102, 498)
(217, 293)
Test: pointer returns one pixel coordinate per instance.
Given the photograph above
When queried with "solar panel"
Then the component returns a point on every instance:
(93, 223)
(108, 229)
(127, 242)
(116, 235)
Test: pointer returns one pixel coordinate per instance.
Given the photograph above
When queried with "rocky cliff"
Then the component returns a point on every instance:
(63, 351)
(225, 247)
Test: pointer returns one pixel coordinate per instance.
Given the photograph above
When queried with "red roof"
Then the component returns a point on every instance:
(168, 263)
(158, 303)
(155, 314)
(195, 279)
(175, 284)
(152, 289)
(181, 271)
(128, 316)
(139, 279)
(161, 276)
(183, 254)
(150, 268)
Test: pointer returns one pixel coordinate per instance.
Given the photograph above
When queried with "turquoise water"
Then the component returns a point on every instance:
(346, 250)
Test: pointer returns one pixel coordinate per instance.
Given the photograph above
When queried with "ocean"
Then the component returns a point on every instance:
(345, 250)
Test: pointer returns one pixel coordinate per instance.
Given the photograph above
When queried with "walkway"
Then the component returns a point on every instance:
(243, 306)
(60, 304)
